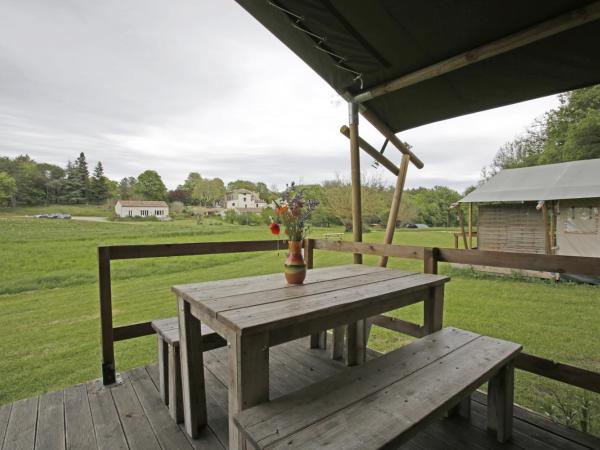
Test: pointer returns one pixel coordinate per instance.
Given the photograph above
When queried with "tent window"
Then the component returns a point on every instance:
(582, 221)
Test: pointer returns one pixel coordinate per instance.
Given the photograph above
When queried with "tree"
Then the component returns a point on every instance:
(127, 188)
(98, 189)
(82, 176)
(241, 184)
(150, 186)
(433, 205)
(8, 189)
(570, 132)
(203, 191)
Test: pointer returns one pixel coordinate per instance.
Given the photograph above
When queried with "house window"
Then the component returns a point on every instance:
(144, 213)
(257, 205)
(233, 204)
(130, 213)
(582, 221)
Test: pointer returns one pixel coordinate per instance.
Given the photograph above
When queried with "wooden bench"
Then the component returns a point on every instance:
(336, 236)
(390, 398)
(167, 331)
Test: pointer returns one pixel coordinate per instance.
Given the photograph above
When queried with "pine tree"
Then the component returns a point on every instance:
(98, 185)
(83, 178)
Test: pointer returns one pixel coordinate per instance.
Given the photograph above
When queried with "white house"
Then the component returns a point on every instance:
(141, 208)
(243, 199)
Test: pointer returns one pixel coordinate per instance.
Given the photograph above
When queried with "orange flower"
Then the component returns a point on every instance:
(282, 209)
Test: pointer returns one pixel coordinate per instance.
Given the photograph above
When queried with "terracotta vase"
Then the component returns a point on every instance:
(295, 268)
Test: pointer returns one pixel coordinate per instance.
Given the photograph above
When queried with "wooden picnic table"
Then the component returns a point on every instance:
(255, 313)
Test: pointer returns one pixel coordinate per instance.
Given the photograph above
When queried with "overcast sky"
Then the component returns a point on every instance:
(199, 85)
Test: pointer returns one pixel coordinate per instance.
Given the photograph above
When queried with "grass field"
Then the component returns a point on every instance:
(49, 321)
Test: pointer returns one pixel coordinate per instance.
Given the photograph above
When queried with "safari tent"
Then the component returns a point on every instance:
(549, 209)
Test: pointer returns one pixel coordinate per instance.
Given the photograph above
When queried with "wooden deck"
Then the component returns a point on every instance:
(131, 415)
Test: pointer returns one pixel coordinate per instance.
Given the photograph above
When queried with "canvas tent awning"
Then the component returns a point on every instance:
(570, 180)
(355, 45)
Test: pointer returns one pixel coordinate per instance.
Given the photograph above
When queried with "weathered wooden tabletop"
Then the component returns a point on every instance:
(267, 303)
(255, 313)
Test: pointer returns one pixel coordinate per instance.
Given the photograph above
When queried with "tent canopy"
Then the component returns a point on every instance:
(570, 180)
(355, 45)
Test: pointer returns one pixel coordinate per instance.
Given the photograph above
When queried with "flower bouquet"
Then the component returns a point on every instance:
(293, 212)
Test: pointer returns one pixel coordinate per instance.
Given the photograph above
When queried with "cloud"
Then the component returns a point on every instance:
(151, 84)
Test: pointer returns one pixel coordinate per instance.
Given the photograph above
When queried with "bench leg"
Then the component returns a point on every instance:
(356, 345)
(337, 344)
(500, 403)
(163, 369)
(463, 409)
(175, 390)
(319, 340)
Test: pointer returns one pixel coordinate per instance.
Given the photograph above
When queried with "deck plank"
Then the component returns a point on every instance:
(108, 428)
(50, 433)
(79, 427)
(89, 408)
(138, 431)
(20, 432)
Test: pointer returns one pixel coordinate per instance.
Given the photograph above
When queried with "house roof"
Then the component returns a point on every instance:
(569, 180)
(355, 45)
(150, 203)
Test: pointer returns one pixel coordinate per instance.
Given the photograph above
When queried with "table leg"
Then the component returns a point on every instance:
(434, 310)
(248, 378)
(192, 369)
(356, 345)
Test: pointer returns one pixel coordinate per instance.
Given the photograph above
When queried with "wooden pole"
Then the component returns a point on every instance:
(546, 219)
(470, 225)
(372, 152)
(355, 168)
(106, 323)
(395, 209)
(390, 135)
(513, 41)
(461, 223)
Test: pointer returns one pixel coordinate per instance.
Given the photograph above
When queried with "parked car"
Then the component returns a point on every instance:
(52, 216)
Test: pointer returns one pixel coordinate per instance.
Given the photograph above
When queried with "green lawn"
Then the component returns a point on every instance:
(49, 326)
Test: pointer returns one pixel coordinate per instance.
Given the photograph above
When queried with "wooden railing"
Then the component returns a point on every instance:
(431, 257)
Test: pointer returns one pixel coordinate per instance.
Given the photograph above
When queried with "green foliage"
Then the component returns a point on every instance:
(98, 190)
(569, 133)
(8, 188)
(231, 216)
(202, 191)
(127, 188)
(150, 186)
(433, 205)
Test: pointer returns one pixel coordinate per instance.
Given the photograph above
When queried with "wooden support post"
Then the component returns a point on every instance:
(500, 403)
(461, 223)
(355, 168)
(175, 389)
(109, 375)
(470, 225)
(430, 260)
(395, 209)
(546, 219)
